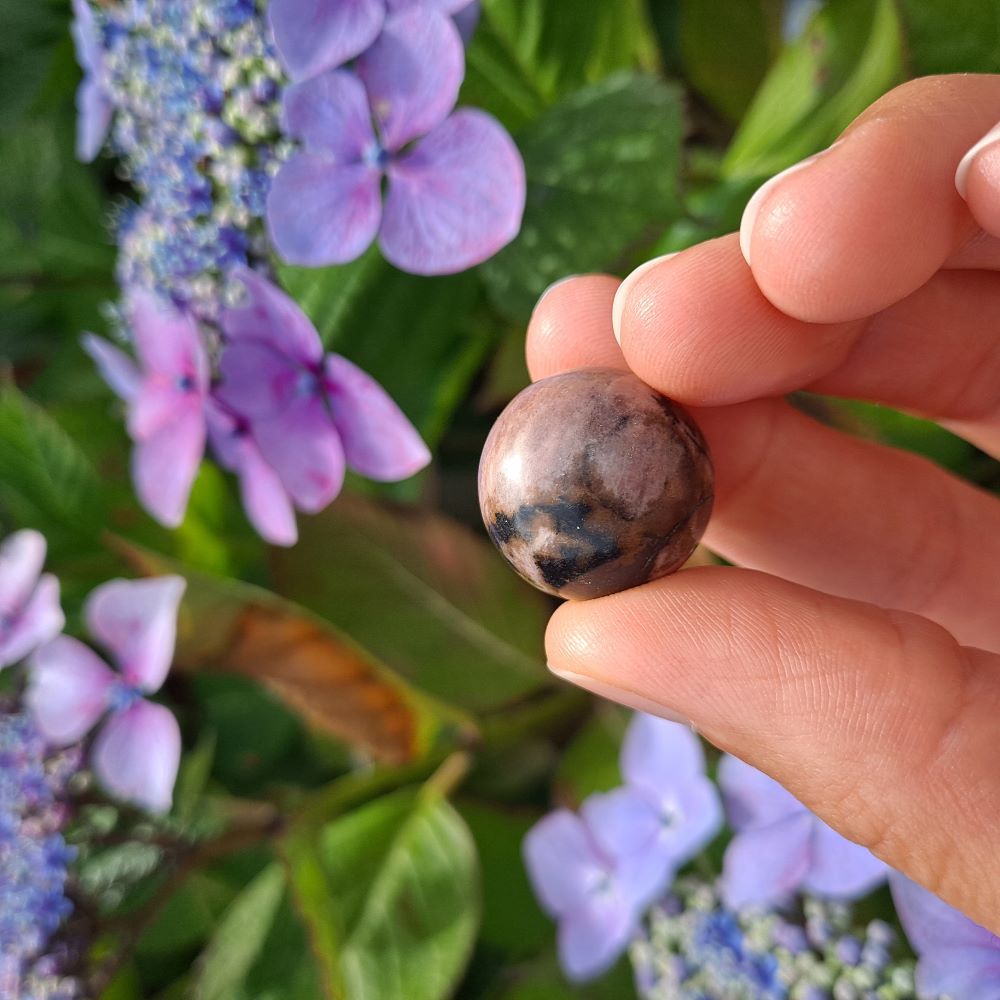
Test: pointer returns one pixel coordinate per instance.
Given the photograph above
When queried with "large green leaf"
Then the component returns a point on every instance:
(851, 54)
(602, 170)
(952, 36)
(420, 337)
(424, 595)
(390, 897)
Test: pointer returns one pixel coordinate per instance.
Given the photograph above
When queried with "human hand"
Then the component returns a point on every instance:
(853, 654)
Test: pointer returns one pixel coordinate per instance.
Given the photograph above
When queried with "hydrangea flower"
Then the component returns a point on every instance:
(668, 809)
(585, 883)
(957, 958)
(317, 35)
(780, 846)
(454, 197)
(166, 401)
(304, 414)
(93, 103)
(29, 600)
(137, 750)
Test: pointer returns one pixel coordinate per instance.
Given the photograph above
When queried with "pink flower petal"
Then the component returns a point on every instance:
(137, 753)
(303, 447)
(68, 690)
(379, 442)
(166, 340)
(316, 35)
(136, 621)
(319, 212)
(258, 381)
(38, 621)
(165, 464)
(412, 74)
(22, 556)
(114, 365)
(271, 317)
(330, 114)
(456, 199)
(154, 406)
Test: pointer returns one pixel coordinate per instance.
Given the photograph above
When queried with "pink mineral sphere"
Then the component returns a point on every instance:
(591, 482)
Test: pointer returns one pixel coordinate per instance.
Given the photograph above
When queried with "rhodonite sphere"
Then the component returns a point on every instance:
(591, 482)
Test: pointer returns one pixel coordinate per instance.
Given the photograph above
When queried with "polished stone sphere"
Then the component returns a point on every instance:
(592, 482)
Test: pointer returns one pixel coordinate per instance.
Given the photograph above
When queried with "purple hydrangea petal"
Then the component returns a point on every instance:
(167, 341)
(258, 382)
(38, 621)
(155, 405)
(412, 74)
(960, 973)
(93, 120)
(753, 798)
(265, 501)
(85, 38)
(764, 864)
(303, 447)
(562, 862)
(165, 464)
(114, 366)
(456, 199)
(319, 212)
(136, 621)
(656, 753)
(931, 923)
(841, 869)
(467, 20)
(444, 6)
(22, 556)
(137, 753)
(330, 114)
(623, 821)
(68, 690)
(316, 35)
(379, 442)
(592, 938)
(698, 818)
(271, 317)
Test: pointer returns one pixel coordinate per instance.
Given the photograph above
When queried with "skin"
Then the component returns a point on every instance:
(853, 651)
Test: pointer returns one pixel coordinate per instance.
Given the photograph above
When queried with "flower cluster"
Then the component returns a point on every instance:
(33, 860)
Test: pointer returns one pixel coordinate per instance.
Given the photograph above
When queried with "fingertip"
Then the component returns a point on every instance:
(626, 288)
(978, 181)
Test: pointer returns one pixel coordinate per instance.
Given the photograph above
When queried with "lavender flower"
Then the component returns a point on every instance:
(317, 35)
(780, 846)
(137, 751)
(29, 600)
(93, 103)
(304, 414)
(166, 401)
(957, 957)
(453, 199)
(33, 858)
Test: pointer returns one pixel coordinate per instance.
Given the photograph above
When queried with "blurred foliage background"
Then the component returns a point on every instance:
(369, 726)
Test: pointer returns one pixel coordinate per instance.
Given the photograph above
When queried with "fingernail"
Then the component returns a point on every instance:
(965, 164)
(753, 205)
(621, 695)
(618, 306)
(555, 284)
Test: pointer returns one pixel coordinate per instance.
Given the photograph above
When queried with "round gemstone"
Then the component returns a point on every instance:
(591, 482)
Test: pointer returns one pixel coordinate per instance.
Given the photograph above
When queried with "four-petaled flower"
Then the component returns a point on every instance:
(317, 35)
(137, 751)
(956, 957)
(668, 809)
(166, 401)
(454, 197)
(93, 105)
(287, 407)
(29, 600)
(583, 881)
(780, 846)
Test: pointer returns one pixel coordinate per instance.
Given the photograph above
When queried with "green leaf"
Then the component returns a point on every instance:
(726, 47)
(602, 170)
(223, 966)
(419, 337)
(431, 600)
(590, 763)
(952, 36)
(34, 32)
(390, 895)
(45, 482)
(851, 54)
